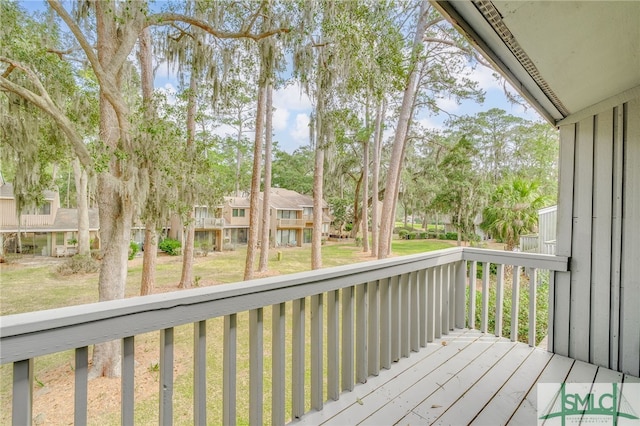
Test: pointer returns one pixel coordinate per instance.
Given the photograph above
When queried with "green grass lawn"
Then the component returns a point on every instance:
(25, 288)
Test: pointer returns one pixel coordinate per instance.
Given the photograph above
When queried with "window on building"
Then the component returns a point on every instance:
(308, 211)
(306, 236)
(238, 212)
(287, 214)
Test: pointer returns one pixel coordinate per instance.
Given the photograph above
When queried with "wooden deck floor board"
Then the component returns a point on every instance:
(556, 370)
(474, 378)
(465, 409)
(392, 395)
(439, 380)
(372, 392)
(500, 408)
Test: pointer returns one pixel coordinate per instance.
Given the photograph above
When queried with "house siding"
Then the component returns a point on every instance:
(596, 317)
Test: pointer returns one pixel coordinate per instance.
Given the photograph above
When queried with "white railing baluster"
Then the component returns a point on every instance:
(22, 405)
(166, 376)
(551, 309)
(472, 294)
(460, 295)
(486, 272)
(446, 301)
(278, 368)
(373, 345)
(415, 312)
(256, 367)
(533, 281)
(347, 339)
(200, 373)
(438, 303)
(453, 281)
(80, 394)
(405, 316)
(515, 303)
(317, 358)
(385, 323)
(499, 299)
(422, 305)
(297, 358)
(229, 370)
(127, 384)
(431, 304)
(403, 304)
(394, 289)
(333, 345)
(362, 333)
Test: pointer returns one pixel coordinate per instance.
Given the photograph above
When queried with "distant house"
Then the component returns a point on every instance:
(227, 225)
(48, 230)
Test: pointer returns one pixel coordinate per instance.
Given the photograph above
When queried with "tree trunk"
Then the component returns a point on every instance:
(150, 252)
(82, 180)
(266, 217)
(116, 211)
(365, 195)
(149, 256)
(186, 280)
(356, 210)
(318, 187)
(239, 152)
(377, 147)
(254, 211)
(395, 163)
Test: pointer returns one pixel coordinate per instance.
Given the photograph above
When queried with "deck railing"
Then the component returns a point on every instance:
(291, 223)
(363, 317)
(210, 223)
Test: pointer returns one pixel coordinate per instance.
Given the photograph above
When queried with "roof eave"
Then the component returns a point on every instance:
(464, 16)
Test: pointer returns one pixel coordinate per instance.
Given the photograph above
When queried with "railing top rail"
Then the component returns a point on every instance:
(75, 326)
(531, 260)
(31, 334)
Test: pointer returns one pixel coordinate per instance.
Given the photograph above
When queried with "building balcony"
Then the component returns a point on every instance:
(291, 223)
(400, 338)
(209, 223)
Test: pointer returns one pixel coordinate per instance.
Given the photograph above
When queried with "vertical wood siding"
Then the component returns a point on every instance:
(596, 316)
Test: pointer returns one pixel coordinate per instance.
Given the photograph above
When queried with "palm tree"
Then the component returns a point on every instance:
(513, 210)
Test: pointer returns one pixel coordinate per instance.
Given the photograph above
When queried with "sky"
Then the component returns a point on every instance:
(292, 107)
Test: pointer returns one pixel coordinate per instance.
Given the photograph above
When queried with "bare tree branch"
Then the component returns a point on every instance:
(166, 18)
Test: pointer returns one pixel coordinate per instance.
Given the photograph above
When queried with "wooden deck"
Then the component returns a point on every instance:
(464, 378)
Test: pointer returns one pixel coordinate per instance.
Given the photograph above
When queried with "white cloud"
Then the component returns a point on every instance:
(292, 98)
(300, 133)
(447, 104)
(169, 91)
(485, 78)
(280, 118)
(430, 123)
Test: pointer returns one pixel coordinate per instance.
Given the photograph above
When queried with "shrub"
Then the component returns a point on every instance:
(170, 246)
(412, 235)
(78, 264)
(403, 233)
(134, 248)
(542, 307)
(422, 235)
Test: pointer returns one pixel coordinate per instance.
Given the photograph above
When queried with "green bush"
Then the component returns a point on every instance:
(542, 310)
(412, 235)
(403, 233)
(134, 248)
(423, 235)
(448, 236)
(170, 246)
(78, 264)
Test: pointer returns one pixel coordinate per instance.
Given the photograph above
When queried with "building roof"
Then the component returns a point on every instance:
(65, 220)
(6, 192)
(286, 199)
(562, 56)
